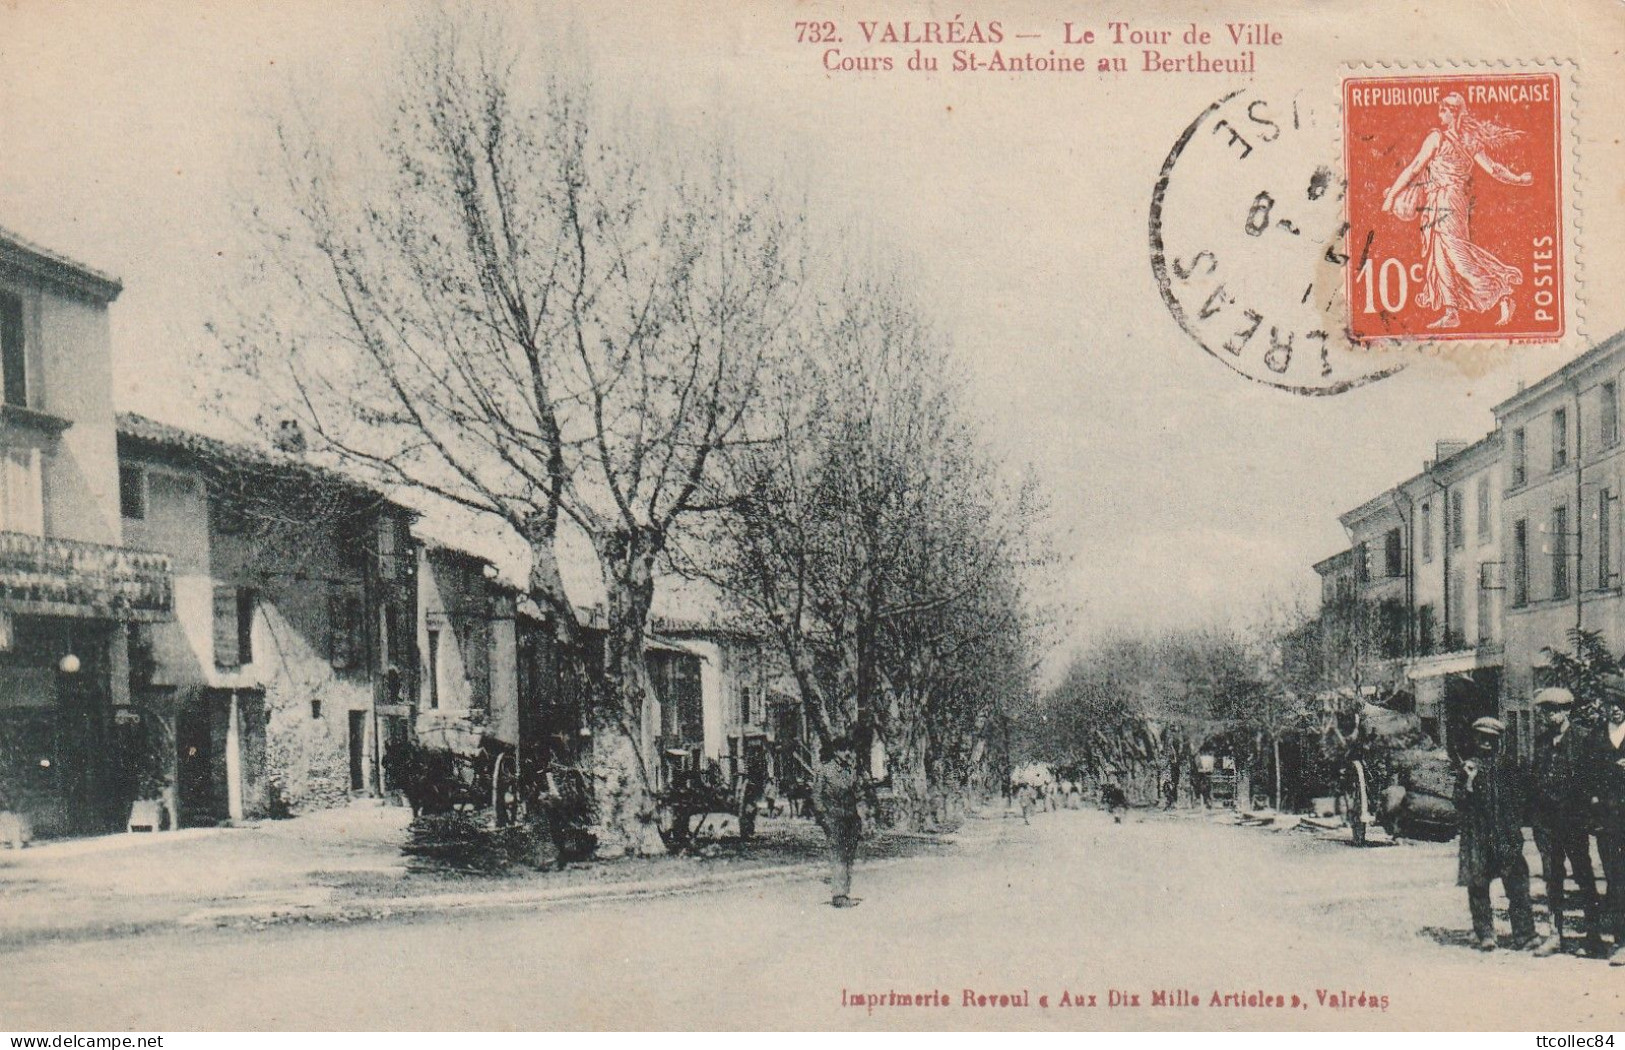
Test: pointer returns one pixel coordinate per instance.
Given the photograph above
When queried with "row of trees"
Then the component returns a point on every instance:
(502, 298)
(1137, 709)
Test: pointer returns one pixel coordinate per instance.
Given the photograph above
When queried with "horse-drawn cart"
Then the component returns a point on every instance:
(513, 784)
(1394, 776)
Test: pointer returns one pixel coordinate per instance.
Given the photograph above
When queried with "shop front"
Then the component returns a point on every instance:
(74, 751)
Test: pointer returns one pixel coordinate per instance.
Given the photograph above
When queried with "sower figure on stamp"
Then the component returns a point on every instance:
(837, 792)
(1490, 808)
(1561, 813)
(1608, 769)
(1458, 274)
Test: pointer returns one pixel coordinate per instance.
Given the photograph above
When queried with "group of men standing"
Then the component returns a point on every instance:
(1578, 787)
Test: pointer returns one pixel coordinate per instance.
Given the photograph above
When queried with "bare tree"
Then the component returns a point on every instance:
(499, 300)
(871, 538)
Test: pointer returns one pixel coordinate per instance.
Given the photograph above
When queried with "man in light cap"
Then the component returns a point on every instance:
(1561, 813)
(1607, 767)
(1489, 806)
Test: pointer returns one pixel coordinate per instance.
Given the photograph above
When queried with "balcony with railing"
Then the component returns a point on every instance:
(48, 576)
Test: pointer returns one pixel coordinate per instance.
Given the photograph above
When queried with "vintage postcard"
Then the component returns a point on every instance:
(839, 515)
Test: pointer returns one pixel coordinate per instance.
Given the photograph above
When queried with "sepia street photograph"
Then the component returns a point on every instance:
(846, 515)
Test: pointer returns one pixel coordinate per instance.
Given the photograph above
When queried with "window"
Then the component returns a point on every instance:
(1393, 622)
(246, 603)
(1605, 540)
(132, 492)
(1608, 418)
(434, 669)
(1455, 631)
(676, 681)
(226, 516)
(233, 626)
(1484, 530)
(1393, 554)
(1520, 462)
(22, 508)
(315, 709)
(1560, 553)
(1520, 563)
(1424, 630)
(1485, 628)
(399, 648)
(13, 351)
(1362, 563)
(1427, 532)
(1458, 520)
(1560, 438)
(343, 627)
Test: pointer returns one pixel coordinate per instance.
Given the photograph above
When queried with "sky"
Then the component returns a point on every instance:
(134, 134)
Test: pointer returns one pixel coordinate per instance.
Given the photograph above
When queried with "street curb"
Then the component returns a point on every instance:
(436, 903)
(271, 911)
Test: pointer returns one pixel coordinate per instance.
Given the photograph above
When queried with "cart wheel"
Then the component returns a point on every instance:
(506, 800)
(1356, 805)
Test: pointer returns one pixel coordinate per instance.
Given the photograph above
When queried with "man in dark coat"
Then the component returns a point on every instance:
(1489, 805)
(1608, 770)
(837, 792)
(1561, 813)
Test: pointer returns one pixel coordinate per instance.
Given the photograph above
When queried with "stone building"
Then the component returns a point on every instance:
(294, 601)
(740, 715)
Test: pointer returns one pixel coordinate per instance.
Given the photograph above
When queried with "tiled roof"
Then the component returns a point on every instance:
(44, 264)
(142, 430)
(680, 607)
(1613, 344)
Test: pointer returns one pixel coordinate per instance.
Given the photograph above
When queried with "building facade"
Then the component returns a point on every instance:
(289, 591)
(1504, 547)
(73, 747)
(1455, 664)
(1561, 520)
(236, 633)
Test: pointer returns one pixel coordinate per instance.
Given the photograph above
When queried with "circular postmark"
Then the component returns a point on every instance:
(1247, 246)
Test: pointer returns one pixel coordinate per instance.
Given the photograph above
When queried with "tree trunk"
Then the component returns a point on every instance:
(1275, 746)
(911, 789)
(625, 726)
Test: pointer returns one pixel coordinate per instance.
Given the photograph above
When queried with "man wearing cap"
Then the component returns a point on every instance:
(1488, 802)
(1561, 813)
(1608, 772)
(837, 796)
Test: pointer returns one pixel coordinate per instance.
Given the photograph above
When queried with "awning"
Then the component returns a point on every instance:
(1450, 663)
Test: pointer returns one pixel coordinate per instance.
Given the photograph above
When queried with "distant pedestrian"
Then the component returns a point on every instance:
(837, 794)
(1026, 796)
(1205, 763)
(1608, 770)
(1490, 808)
(1561, 814)
(1115, 800)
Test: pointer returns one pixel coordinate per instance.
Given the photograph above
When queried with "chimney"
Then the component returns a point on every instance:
(1443, 450)
(290, 437)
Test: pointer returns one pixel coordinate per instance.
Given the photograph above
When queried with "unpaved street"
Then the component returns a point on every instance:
(1072, 905)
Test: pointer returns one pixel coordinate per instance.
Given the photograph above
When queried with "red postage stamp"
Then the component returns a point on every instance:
(1454, 206)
